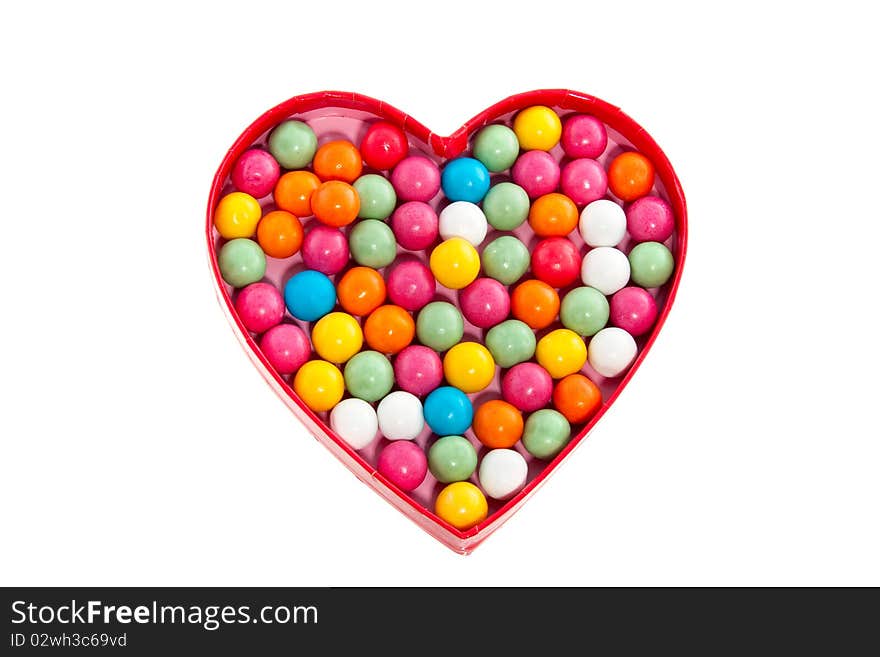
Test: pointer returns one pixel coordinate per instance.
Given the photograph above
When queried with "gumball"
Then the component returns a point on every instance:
(605, 269)
(309, 295)
(553, 215)
(535, 303)
(418, 369)
(415, 225)
(411, 284)
(511, 342)
(255, 172)
(561, 352)
(377, 197)
(505, 259)
(506, 206)
(293, 144)
(324, 249)
(338, 160)
(651, 264)
(241, 262)
(650, 219)
(448, 411)
(498, 424)
(584, 181)
(462, 505)
(556, 261)
(361, 290)
(368, 376)
(527, 386)
(294, 190)
(603, 223)
(319, 384)
(469, 367)
(280, 234)
(537, 173)
(416, 178)
(577, 398)
(384, 146)
(584, 310)
(400, 416)
(286, 347)
(634, 310)
(612, 351)
(237, 215)
(455, 263)
(335, 203)
(503, 473)
(372, 244)
(546, 433)
(259, 306)
(452, 458)
(630, 176)
(465, 220)
(584, 136)
(404, 464)
(337, 337)
(464, 179)
(537, 128)
(484, 302)
(389, 329)
(496, 146)
(355, 421)
(440, 326)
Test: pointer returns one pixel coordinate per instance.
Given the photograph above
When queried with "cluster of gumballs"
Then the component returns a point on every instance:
(386, 216)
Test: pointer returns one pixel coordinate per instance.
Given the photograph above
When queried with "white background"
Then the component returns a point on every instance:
(139, 445)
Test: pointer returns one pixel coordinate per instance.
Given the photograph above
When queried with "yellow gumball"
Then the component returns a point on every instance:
(337, 337)
(237, 215)
(455, 263)
(469, 367)
(462, 505)
(537, 128)
(319, 384)
(561, 352)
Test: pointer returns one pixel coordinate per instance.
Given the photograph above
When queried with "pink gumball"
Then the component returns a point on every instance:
(410, 284)
(584, 181)
(256, 173)
(415, 225)
(485, 302)
(404, 464)
(536, 172)
(418, 370)
(286, 347)
(260, 306)
(584, 136)
(650, 219)
(634, 310)
(416, 178)
(528, 386)
(325, 249)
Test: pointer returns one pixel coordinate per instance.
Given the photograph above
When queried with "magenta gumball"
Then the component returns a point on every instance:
(260, 306)
(410, 284)
(418, 369)
(404, 464)
(528, 386)
(650, 219)
(416, 178)
(256, 173)
(584, 181)
(325, 249)
(634, 310)
(537, 172)
(286, 347)
(485, 302)
(584, 136)
(415, 225)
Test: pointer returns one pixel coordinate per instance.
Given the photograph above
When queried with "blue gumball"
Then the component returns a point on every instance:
(309, 295)
(448, 411)
(465, 179)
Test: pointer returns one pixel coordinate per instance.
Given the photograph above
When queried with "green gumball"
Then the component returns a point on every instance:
(369, 376)
(545, 433)
(452, 458)
(506, 206)
(505, 259)
(439, 326)
(497, 147)
(372, 244)
(293, 144)
(241, 262)
(585, 311)
(511, 342)
(377, 196)
(650, 264)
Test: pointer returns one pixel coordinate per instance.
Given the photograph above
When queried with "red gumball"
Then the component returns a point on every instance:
(384, 146)
(556, 261)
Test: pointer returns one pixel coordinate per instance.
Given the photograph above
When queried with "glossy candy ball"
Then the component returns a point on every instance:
(452, 458)
(415, 225)
(361, 290)
(404, 464)
(465, 179)
(372, 244)
(337, 337)
(651, 264)
(506, 259)
(546, 433)
(527, 386)
(584, 310)
(455, 263)
(630, 176)
(556, 261)
(484, 302)
(465, 220)
(440, 325)
(260, 307)
(553, 214)
(241, 262)
(584, 136)
(448, 411)
(237, 215)
(561, 352)
(335, 203)
(368, 376)
(383, 146)
(338, 160)
(411, 284)
(537, 173)
(634, 310)
(503, 473)
(537, 128)
(577, 398)
(418, 369)
(309, 295)
(389, 329)
(535, 303)
(612, 350)
(294, 190)
(496, 146)
(286, 347)
(293, 144)
(324, 249)
(416, 178)
(603, 223)
(606, 269)
(280, 234)
(462, 505)
(506, 206)
(469, 367)
(256, 172)
(650, 219)
(400, 416)
(498, 424)
(584, 181)
(355, 421)
(511, 342)
(377, 197)
(319, 384)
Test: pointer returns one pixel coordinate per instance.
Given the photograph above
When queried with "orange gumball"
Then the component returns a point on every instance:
(280, 234)
(553, 215)
(535, 303)
(577, 398)
(338, 160)
(335, 203)
(293, 192)
(630, 176)
(498, 424)
(389, 329)
(361, 290)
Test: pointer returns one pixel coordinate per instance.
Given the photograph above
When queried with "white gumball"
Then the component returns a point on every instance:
(503, 473)
(465, 220)
(400, 416)
(606, 269)
(603, 223)
(355, 421)
(611, 351)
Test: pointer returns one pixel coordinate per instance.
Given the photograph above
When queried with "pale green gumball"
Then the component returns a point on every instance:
(377, 196)
(505, 259)
(511, 342)
(545, 433)
(585, 311)
(293, 144)
(650, 264)
(439, 326)
(497, 147)
(369, 376)
(241, 262)
(506, 206)
(452, 458)
(372, 244)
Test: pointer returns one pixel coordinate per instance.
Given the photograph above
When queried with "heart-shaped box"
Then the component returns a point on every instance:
(345, 115)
